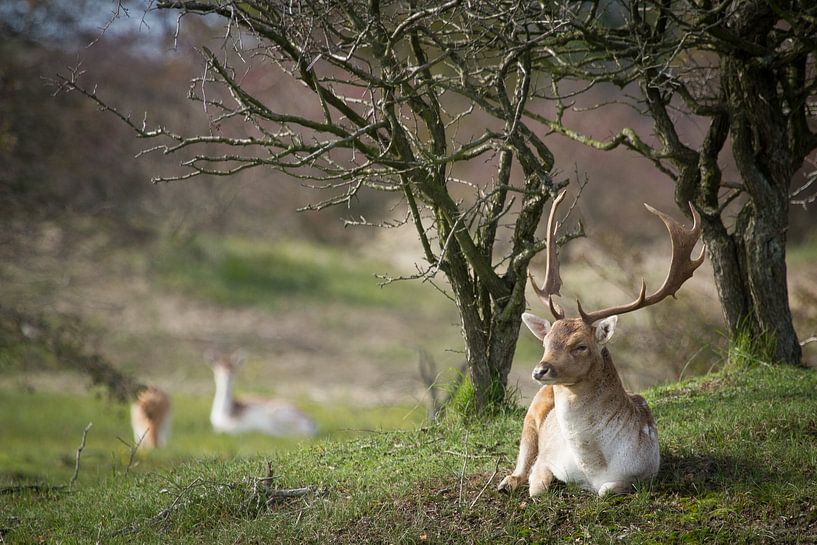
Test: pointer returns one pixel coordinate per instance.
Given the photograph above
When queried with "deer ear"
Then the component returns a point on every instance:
(238, 357)
(538, 326)
(605, 329)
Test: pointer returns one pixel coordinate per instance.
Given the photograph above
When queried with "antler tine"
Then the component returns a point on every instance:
(590, 317)
(553, 282)
(682, 267)
(555, 309)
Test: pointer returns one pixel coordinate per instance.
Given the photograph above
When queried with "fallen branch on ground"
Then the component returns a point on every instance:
(256, 496)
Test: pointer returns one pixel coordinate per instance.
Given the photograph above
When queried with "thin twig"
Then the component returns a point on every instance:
(132, 449)
(490, 479)
(464, 465)
(466, 455)
(277, 494)
(79, 455)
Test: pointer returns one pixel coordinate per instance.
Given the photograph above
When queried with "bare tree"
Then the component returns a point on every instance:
(392, 93)
(748, 67)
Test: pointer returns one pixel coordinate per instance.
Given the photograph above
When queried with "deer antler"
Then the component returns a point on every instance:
(682, 266)
(553, 282)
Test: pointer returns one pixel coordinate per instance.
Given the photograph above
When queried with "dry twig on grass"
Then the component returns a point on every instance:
(487, 483)
(464, 465)
(132, 449)
(256, 496)
(50, 487)
(79, 455)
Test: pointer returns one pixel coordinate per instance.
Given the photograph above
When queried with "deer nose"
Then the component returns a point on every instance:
(544, 370)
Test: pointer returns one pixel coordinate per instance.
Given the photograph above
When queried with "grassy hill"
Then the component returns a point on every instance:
(739, 463)
(739, 454)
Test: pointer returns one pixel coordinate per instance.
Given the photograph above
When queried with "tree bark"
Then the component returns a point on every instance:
(750, 263)
(730, 278)
(490, 333)
(766, 162)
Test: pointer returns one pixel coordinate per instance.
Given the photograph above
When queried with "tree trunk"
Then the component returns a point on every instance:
(491, 324)
(490, 340)
(762, 151)
(474, 327)
(750, 263)
(489, 349)
(730, 278)
(750, 275)
(764, 241)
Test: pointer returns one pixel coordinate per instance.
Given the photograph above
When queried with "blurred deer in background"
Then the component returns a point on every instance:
(150, 417)
(582, 426)
(271, 416)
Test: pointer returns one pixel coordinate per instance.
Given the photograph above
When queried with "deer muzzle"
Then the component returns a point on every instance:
(544, 371)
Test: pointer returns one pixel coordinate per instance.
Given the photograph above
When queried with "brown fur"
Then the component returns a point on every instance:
(584, 404)
(150, 411)
(238, 408)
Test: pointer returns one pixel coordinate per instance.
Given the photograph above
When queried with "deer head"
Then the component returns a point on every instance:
(573, 345)
(225, 365)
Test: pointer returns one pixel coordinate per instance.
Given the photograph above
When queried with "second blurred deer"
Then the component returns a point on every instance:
(251, 414)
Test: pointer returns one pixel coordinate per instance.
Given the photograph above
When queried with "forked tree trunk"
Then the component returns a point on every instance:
(490, 324)
(490, 337)
(750, 264)
(750, 275)
(768, 144)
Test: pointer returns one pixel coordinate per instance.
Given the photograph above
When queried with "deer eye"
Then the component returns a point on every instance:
(580, 348)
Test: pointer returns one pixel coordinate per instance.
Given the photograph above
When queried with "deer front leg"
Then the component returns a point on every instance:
(540, 478)
(528, 448)
(540, 406)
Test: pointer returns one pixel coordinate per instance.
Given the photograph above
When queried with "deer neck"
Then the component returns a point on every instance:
(223, 400)
(591, 403)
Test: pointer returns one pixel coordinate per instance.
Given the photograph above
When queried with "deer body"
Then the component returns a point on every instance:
(600, 445)
(150, 418)
(609, 434)
(601, 458)
(270, 416)
(582, 426)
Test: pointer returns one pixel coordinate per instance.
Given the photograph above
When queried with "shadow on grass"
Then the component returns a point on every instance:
(693, 473)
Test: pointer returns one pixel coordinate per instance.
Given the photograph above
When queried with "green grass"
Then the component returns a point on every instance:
(739, 466)
(235, 272)
(40, 432)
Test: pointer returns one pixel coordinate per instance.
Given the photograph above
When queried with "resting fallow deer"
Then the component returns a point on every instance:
(150, 417)
(271, 416)
(582, 426)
